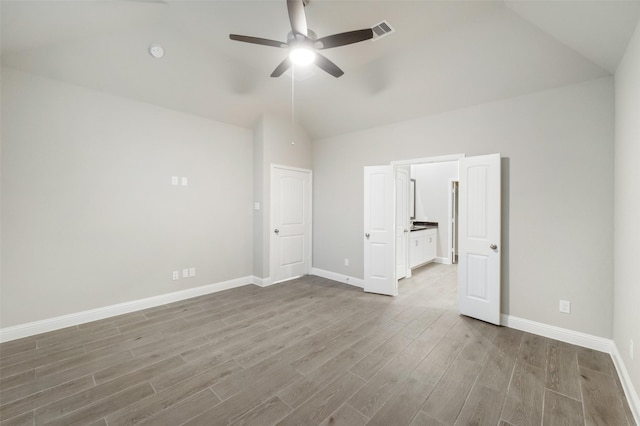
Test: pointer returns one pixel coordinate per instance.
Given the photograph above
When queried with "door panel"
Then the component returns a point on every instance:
(479, 238)
(290, 223)
(379, 231)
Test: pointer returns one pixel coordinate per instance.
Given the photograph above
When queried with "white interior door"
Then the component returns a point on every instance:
(379, 231)
(290, 223)
(479, 238)
(402, 221)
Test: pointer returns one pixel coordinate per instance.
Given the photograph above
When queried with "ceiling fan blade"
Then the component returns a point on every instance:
(297, 17)
(257, 40)
(343, 39)
(328, 66)
(280, 69)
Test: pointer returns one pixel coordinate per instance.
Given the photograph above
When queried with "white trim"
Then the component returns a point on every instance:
(627, 385)
(261, 282)
(452, 218)
(564, 335)
(443, 260)
(297, 169)
(357, 282)
(56, 323)
(426, 160)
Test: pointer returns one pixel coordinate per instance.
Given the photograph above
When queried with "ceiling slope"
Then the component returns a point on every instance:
(443, 55)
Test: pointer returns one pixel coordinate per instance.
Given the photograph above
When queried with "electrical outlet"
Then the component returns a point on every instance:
(185, 273)
(346, 261)
(174, 180)
(565, 306)
(192, 272)
(184, 181)
(631, 349)
(176, 275)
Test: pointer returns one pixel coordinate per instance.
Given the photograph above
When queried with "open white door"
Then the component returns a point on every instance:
(379, 231)
(290, 223)
(479, 238)
(402, 221)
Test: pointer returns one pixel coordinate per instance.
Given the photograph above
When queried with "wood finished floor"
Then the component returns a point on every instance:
(307, 352)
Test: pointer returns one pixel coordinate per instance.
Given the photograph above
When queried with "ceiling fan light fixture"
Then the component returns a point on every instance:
(302, 56)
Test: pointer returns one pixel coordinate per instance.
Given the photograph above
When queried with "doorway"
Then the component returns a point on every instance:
(478, 232)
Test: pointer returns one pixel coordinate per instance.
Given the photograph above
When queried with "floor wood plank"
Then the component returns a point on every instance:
(560, 410)
(562, 374)
(307, 351)
(325, 402)
(346, 415)
(602, 405)
(524, 399)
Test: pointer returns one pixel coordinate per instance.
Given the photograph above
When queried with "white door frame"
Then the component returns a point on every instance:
(272, 257)
(453, 219)
(402, 232)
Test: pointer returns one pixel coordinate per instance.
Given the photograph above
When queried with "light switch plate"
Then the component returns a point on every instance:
(174, 180)
(192, 272)
(256, 205)
(185, 273)
(184, 181)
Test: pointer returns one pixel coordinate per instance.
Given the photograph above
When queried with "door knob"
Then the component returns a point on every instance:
(277, 231)
(493, 246)
(367, 235)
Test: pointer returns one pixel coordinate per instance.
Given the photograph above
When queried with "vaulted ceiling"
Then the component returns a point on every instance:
(443, 55)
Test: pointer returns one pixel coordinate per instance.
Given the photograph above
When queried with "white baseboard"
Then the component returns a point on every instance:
(443, 260)
(357, 282)
(585, 340)
(261, 282)
(56, 323)
(564, 335)
(627, 385)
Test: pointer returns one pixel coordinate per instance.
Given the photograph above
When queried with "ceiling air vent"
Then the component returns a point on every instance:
(382, 29)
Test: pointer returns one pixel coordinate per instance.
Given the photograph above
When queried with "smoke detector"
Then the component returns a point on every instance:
(156, 51)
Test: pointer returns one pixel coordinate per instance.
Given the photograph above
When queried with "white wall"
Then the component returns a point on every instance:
(626, 302)
(89, 216)
(273, 137)
(557, 215)
(432, 197)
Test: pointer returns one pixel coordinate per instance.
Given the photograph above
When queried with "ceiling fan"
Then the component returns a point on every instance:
(303, 43)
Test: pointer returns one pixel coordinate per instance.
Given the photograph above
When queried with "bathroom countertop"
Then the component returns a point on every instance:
(419, 225)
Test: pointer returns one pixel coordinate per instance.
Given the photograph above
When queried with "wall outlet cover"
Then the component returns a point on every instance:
(192, 272)
(185, 273)
(176, 275)
(565, 306)
(185, 181)
(174, 180)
